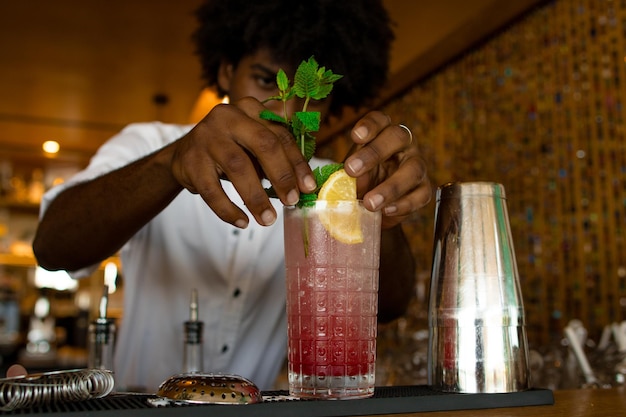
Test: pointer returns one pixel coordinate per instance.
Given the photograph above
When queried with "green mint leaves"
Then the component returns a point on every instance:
(320, 174)
(311, 82)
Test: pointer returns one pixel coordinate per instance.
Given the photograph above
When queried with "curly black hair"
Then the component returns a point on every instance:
(350, 37)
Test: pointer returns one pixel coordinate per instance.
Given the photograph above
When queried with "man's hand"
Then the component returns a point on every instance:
(391, 175)
(233, 142)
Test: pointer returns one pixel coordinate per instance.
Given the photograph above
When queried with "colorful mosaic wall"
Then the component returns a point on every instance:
(539, 107)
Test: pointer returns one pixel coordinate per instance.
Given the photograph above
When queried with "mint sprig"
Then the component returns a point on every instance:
(311, 82)
(320, 174)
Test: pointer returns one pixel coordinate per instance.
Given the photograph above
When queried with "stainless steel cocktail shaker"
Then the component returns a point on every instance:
(477, 341)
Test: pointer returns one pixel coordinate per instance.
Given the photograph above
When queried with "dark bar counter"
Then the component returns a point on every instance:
(567, 403)
(536, 403)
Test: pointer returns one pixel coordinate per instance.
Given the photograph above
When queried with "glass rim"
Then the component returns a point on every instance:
(324, 203)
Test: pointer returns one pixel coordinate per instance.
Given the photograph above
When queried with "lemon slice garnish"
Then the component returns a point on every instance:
(343, 222)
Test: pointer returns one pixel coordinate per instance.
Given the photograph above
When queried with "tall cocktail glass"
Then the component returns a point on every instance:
(332, 253)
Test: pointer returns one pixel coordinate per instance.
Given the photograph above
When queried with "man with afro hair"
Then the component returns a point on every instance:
(351, 38)
(177, 201)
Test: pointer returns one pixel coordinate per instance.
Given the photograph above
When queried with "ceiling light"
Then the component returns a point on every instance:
(51, 146)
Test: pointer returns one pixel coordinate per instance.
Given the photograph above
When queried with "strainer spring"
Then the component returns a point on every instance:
(57, 386)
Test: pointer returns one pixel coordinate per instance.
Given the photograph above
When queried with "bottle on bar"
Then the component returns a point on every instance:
(192, 353)
(102, 337)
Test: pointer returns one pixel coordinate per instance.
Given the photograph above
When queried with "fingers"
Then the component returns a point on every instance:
(409, 132)
(391, 174)
(232, 142)
(401, 202)
(382, 139)
(369, 126)
(280, 159)
(403, 187)
(201, 176)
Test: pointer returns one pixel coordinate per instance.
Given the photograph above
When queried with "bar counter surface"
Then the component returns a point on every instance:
(567, 403)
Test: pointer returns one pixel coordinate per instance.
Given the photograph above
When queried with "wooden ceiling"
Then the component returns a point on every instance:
(77, 71)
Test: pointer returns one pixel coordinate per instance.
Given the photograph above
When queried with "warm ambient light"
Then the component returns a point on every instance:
(204, 103)
(51, 146)
(110, 276)
(58, 280)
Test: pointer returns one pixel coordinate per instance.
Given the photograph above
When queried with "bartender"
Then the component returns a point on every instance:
(155, 192)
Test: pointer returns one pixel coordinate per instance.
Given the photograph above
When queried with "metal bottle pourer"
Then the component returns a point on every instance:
(102, 336)
(192, 353)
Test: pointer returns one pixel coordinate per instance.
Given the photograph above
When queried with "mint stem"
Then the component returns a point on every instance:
(310, 82)
(305, 233)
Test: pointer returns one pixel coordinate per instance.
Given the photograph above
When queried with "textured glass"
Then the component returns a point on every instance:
(332, 300)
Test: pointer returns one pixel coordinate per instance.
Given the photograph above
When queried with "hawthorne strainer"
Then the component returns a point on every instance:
(201, 388)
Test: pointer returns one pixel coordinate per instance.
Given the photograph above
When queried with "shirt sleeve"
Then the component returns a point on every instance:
(132, 143)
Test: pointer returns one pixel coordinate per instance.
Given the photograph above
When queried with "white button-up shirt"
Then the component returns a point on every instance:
(239, 276)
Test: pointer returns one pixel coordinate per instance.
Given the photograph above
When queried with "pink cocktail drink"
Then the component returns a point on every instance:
(332, 299)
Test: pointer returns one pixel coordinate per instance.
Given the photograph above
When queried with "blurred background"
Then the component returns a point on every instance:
(525, 93)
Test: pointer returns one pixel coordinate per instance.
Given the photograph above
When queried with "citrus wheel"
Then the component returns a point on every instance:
(343, 219)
